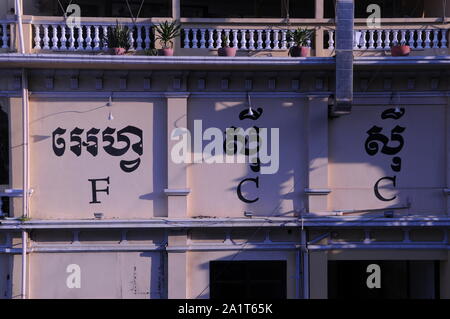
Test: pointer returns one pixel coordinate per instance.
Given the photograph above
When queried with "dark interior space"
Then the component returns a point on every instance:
(389, 8)
(247, 9)
(111, 8)
(399, 280)
(4, 147)
(248, 279)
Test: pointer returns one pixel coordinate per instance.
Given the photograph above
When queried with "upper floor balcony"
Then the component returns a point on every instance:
(254, 27)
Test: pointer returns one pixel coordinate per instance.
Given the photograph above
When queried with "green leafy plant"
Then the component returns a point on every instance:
(224, 39)
(300, 36)
(166, 32)
(118, 37)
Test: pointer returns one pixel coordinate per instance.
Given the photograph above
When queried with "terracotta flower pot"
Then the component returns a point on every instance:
(118, 51)
(166, 52)
(299, 51)
(226, 51)
(400, 50)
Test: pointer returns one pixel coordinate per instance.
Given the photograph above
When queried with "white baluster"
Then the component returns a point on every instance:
(131, 37)
(46, 39)
(387, 40)
(63, 38)
(443, 38)
(88, 38)
(37, 36)
(419, 39)
(283, 40)
(186, 38)
(251, 42)
(379, 40)
(235, 38)
(395, 37)
(427, 39)
(435, 39)
(371, 39)
(259, 41)
(80, 38)
(356, 39)
(268, 40)
(202, 38)
(147, 39)
(210, 38)
(276, 42)
(330, 39)
(5, 44)
(219, 38)
(244, 40)
(363, 41)
(96, 38)
(227, 37)
(411, 38)
(105, 36)
(194, 38)
(55, 37)
(139, 38)
(71, 38)
(403, 37)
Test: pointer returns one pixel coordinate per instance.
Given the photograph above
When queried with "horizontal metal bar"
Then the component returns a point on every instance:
(371, 246)
(338, 222)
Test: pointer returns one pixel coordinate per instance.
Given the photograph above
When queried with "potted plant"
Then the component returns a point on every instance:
(165, 33)
(300, 37)
(400, 49)
(118, 39)
(226, 50)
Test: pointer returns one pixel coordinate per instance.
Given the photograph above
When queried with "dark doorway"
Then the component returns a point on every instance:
(4, 146)
(248, 279)
(399, 280)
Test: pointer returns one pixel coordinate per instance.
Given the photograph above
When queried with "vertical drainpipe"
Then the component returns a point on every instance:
(18, 10)
(26, 177)
(344, 58)
(305, 264)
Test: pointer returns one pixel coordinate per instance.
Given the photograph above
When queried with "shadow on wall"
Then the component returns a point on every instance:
(233, 188)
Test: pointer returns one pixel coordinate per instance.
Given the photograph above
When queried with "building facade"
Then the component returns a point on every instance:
(119, 180)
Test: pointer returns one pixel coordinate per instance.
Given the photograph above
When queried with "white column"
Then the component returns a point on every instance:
(177, 188)
(177, 272)
(317, 140)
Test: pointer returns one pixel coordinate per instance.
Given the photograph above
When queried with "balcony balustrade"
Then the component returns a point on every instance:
(87, 37)
(241, 38)
(204, 37)
(384, 39)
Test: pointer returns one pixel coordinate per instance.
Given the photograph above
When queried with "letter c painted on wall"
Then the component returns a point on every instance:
(377, 192)
(239, 191)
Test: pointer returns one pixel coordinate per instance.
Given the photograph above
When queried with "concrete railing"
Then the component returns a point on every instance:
(241, 38)
(383, 39)
(204, 36)
(90, 36)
